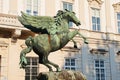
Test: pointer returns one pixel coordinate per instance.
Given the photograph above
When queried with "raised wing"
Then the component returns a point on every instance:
(37, 24)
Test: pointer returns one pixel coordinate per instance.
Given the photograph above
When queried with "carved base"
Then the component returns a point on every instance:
(62, 75)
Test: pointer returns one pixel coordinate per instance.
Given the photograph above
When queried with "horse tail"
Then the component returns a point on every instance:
(23, 60)
(29, 42)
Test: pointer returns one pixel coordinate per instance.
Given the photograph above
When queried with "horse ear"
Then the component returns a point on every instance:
(73, 12)
(60, 11)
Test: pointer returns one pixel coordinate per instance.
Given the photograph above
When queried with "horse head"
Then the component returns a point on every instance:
(68, 15)
(72, 17)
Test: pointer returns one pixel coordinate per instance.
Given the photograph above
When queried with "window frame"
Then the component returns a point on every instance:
(29, 74)
(99, 68)
(68, 4)
(118, 67)
(0, 64)
(68, 8)
(69, 64)
(118, 21)
(1, 5)
(97, 26)
(30, 7)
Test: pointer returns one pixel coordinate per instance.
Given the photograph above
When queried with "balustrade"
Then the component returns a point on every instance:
(6, 19)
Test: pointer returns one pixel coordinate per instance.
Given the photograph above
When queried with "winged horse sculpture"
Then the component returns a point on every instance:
(53, 34)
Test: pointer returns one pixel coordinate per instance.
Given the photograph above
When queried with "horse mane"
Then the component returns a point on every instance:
(58, 18)
(47, 20)
(43, 24)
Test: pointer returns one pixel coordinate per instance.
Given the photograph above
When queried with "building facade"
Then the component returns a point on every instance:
(100, 24)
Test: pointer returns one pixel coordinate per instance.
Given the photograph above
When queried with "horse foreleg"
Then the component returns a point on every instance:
(49, 67)
(55, 65)
(44, 61)
(75, 44)
(85, 40)
(47, 62)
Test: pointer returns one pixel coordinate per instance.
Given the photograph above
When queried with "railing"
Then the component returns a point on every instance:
(7, 19)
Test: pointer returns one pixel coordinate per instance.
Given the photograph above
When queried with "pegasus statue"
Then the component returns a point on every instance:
(53, 34)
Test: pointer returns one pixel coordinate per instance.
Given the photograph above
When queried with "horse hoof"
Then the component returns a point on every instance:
(50, 70)
(58, 70)
(86, 42)
(75, 46)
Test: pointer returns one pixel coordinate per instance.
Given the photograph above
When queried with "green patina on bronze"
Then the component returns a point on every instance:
(53, 34)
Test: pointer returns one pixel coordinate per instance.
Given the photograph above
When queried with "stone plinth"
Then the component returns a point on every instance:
(62, 75)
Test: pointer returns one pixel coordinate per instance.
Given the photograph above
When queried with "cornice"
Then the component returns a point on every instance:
(70, 49)
(7, 15)
(3, 44)
(98, 1)
(70, 1)
(116, 7)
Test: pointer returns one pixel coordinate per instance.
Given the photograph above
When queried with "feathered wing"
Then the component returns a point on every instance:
(37, 24)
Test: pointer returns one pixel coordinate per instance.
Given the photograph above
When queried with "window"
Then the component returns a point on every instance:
(69, 7)
(70, 64)
(1, 5)
(0, 65)
(32, 7)
(118, 22)
(118, 67)
(31, 70)
(99, 70)
(95, 19)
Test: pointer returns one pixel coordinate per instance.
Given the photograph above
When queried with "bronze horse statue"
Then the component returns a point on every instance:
(53, 34)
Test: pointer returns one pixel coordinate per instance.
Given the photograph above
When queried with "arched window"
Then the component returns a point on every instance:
(95, 18)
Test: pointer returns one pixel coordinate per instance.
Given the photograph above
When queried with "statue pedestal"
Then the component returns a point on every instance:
(62, 75)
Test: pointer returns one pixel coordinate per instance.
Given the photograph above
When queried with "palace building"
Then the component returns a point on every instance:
(100, 24)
